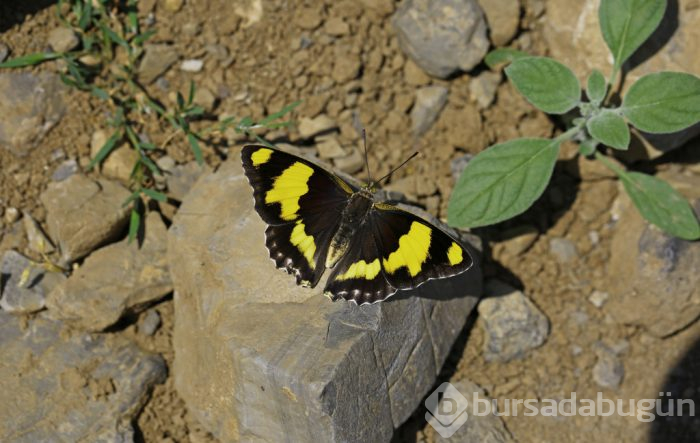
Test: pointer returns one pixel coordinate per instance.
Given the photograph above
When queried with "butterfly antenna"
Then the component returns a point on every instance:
(364, 142)
(399, 166)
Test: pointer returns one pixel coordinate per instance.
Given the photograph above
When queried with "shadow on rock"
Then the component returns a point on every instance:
(676, 418)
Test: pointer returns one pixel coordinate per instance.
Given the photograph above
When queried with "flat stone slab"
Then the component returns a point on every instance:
(119, 278)
(31, 105)
(258, 358)
(83, 214)
(56, 386)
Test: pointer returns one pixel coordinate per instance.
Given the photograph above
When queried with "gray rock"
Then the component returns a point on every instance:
(60, 386)
(120, 162)
(166, 163)
(219, 52)
(149, 323)
(63, 39)
(180, 178)
(429, 102)
(442, 36)
(4, 52)
(156, 60)
(83, 214)
(516, 241)
(563, 249)
(458, 165)
(285, 363)
(608, 371)
(483, 88)
(31, 105)
(57, 154)
(351, 163)
(329, 147)
(310, 127)
(503, 18)
(476, 426)
(205, 98)
(30, 296)
(118, 278)
(65, 170)
(513, 324)
(653, 278)
(38, 241)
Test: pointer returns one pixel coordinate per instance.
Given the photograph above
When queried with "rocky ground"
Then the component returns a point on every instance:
(580, 294)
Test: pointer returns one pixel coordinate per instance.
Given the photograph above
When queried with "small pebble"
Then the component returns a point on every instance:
(11, 215)
(65, 170)
(563, 249)
(149, 323)
(608, 371)
(57, 155)
(172, 5)
(192, 65)
(63, 39)
(598, 298)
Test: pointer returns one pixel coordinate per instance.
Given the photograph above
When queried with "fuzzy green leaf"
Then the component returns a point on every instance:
(626, 24)
(502, 182)
(503, 56)
(546, 83)
(609, 128)
(663, 102)
(596, 87)
(661, 205)
(588, 147)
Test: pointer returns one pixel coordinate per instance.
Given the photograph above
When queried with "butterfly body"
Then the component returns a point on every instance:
(316, 221)
(353, 218)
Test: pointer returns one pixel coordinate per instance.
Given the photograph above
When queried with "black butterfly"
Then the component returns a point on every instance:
(317, 221)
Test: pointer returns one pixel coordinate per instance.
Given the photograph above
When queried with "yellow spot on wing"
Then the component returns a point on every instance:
(305, 243)
(412, 251)
(261, 156)
(288, 188)
(454, 254)
(362, 269)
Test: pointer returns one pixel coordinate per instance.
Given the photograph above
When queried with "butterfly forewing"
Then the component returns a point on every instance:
(301, 203)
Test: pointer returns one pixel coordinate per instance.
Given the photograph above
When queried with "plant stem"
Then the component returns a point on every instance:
(570, 133)
(610, 165)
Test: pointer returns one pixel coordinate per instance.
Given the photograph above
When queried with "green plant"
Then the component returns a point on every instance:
(105, 65)
(507, 178)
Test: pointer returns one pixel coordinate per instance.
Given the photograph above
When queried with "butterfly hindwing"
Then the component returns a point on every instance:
(301, 203)
(413, 250)
(394, 249)
(358, 275)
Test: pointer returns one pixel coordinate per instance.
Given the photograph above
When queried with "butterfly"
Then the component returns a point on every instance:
(316, 220)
